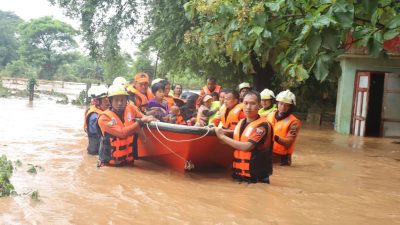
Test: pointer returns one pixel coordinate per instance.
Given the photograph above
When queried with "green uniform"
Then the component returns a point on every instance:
(265, 112)
(214, 105)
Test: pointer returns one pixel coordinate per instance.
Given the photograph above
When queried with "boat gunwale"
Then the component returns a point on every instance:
(182, 129)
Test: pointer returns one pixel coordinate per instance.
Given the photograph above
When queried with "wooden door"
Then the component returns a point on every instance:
(360, 104)
(391, 106)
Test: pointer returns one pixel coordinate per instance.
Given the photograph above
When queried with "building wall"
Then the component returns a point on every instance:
(350, 64)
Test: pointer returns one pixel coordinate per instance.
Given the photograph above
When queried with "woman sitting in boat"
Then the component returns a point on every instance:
(118, 127)
(158, 106)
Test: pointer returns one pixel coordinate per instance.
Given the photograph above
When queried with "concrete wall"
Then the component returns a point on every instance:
(350, 64)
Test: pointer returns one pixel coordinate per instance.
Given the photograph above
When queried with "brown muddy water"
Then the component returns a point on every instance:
(335, 179)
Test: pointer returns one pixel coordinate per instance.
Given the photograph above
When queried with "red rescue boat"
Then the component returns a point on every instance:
(183, 147)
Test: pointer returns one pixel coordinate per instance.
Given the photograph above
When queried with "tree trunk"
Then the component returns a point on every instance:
(262, 76)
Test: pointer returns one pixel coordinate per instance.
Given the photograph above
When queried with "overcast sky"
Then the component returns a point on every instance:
(30, 9)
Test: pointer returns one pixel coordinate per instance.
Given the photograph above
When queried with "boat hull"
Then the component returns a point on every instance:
(204, 151)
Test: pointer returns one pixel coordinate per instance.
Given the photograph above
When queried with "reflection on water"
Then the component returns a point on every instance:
(335, 179)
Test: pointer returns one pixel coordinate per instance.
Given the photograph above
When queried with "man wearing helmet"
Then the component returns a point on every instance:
(139, 93)
(268, 106)
(286, 127)
(100, 103)
(118, 127)
(244, 88)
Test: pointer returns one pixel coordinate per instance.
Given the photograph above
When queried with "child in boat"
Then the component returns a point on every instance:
(157, 106)
(204, 111)
(174, 116)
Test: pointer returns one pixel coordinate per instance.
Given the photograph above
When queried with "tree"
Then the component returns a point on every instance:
(46, 43)
(292, 37)
(102, 22)
(8, 40)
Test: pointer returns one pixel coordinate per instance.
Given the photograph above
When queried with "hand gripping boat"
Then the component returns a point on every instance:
(183, 147)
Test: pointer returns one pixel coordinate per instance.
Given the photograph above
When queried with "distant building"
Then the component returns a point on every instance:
(368, 97)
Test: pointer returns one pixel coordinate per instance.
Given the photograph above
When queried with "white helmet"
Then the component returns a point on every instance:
(155, 81)
(116, 89)
(98, 91)
(120, 81)
(267, 94)
(286, 97)
(244, 85)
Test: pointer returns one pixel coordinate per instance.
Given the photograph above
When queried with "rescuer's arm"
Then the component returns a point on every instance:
(290, 137)
(107, 126)
(244, 146)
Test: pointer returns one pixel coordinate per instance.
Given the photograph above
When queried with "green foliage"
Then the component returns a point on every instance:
(116, 66)
(46, 43)
(19, 68)
(143, 63)
(102, 22)
(3, 91)
(81, 100)
(6, 170)
(8, 37)
(298, 37)
(30, 87)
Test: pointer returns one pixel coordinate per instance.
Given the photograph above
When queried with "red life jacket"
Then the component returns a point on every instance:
(116, 151)
(281, 129)
(231, 120)
(258, 161)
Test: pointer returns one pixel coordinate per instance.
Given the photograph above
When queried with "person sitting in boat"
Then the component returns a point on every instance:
(208, 89)
(167, 89)
(204, 112)
(189, 111)
(215, 106)
(267, 102)
(252, 141)
(158, 106)
(286, 128)
(119, 125)
(100, 103)
(244, 88)
(139, 92)
(231, 113)
(174, 116)
(177, 91)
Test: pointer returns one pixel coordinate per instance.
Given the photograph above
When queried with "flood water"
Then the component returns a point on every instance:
(335, 179)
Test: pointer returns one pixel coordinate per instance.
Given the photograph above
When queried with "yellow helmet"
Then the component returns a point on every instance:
(114, 90)
(120, 81)
(286, 97)
(267, 94)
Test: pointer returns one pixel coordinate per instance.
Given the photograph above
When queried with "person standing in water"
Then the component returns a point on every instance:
(100, 104)
(267, 102)
(118, 127)
(252, 141)
(286, 128)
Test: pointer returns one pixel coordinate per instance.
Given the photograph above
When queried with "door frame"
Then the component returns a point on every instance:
(358, 74)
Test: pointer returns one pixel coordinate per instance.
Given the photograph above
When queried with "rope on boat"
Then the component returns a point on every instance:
(187, 140)
(188, 164)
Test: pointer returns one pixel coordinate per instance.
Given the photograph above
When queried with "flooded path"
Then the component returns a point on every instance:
(335, 179)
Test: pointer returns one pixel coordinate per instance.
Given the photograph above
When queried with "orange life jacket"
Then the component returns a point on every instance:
(116, 151)
(180, 120)
(88, 112)
(258, 161)
(231, 120)
(208, 92)
(281, 129)
(170, 101)
(138, 98)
